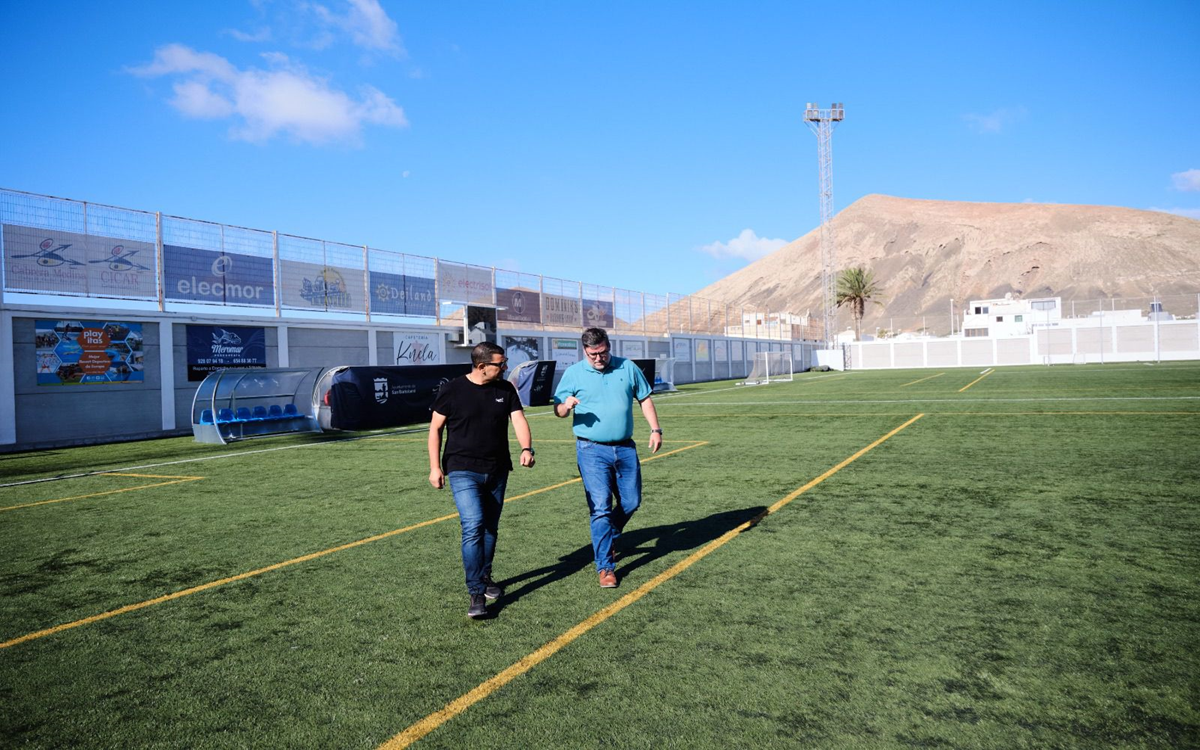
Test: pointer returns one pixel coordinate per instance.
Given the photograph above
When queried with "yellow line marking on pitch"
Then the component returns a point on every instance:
(174, 480)
(989, 371)
(922, 380)
(287, 563)
(457, 706)
(761, 415)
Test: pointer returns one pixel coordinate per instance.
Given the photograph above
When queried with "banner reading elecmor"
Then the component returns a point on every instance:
(194, 275)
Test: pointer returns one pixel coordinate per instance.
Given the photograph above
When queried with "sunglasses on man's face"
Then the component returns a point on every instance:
(502, 363)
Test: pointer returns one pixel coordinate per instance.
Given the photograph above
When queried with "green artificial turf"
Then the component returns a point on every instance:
(1016, 568)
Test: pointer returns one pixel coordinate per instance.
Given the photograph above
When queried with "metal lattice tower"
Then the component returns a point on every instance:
(822, 122)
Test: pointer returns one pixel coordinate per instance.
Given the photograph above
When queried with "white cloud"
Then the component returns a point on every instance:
(1188, 181)
(1191, 213)
(262, 35)
(747, 246)
(283, 99)
(367, 24)
(995, 122)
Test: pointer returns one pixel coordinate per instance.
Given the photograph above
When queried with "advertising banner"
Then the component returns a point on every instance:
(371, 398)
(82, 352)
(224, 347)
(682, 349)
(398, 294)
(519, 306)
(561, 311)
(701, 350)
(44, 260)
(194, 275)
(566, 351)
(419, 348)
(312, 286)
(633, 349)
(461, 283)
(720, 350)
(597, 313)
(520, 349)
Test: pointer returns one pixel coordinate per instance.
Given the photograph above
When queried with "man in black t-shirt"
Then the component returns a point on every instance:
(475, 410)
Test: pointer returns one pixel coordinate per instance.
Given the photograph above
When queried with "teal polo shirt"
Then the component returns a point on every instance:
(605, 410)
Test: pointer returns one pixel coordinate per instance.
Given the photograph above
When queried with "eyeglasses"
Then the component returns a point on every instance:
(597, 355)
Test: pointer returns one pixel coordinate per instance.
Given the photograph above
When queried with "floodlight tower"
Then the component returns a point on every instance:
(822, 122)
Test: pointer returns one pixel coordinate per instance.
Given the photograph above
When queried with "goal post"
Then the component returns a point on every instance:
(770, 367)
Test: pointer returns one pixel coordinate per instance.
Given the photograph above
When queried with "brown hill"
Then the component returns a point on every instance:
(923, 253)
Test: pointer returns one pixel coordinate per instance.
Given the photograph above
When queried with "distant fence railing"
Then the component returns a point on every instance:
(68, 248)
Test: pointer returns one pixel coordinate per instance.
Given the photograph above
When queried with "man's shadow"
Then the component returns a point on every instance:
(635, 549)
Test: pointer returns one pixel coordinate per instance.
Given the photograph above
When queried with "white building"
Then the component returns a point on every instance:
(1008, 317)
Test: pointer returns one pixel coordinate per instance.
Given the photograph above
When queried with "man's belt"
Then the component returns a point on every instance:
(626, 441)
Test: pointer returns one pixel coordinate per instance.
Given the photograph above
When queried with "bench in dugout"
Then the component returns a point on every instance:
(238, 404)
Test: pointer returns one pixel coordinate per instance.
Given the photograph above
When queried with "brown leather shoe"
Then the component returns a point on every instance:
(608, 579)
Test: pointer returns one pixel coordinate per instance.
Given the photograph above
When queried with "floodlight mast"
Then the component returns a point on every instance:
(822, 122)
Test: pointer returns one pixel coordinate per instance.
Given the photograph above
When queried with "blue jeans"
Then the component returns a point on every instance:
(610, 473)
(480, 499)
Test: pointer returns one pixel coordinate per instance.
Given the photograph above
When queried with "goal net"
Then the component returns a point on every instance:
(770, 367)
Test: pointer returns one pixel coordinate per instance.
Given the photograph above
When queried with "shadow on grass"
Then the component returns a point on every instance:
(636, 548)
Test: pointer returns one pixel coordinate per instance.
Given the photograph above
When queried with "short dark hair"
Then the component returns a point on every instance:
(482, 353)
(594, 337)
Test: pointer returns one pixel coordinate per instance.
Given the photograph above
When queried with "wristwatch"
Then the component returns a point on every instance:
(654, 431)
(528, 449)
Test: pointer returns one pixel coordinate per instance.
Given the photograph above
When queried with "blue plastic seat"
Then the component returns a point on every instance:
(275, 412)
(289, 410)
(243, 414)
(206, 416)
(225, 415)
(260, 412)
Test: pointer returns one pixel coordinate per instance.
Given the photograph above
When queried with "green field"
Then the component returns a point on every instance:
(813, 567)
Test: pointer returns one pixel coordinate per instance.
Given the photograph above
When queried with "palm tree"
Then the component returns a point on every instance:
(856, 287)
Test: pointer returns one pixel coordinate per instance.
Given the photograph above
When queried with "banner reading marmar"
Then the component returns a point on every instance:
(194, 275)
(212, 348)
(45, 260)
(80, 352)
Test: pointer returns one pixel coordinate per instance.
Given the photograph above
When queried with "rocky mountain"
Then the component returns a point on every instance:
(923, 253)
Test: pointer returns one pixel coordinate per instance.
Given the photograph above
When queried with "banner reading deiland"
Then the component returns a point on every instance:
(518, 306)
(80, 352)
(194, 275)
(212, 348)
(44, 260)
(399, 294)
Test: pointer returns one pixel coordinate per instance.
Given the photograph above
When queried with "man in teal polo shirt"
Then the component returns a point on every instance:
(600, 390)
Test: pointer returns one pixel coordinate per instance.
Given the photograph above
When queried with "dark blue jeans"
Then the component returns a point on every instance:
(612, 482)
(480, 499)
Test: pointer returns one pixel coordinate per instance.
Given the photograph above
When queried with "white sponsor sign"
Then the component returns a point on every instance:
(566, 351)
(419, 348)
(682, 349)
(720, 350)
(462, 283)
(633, 349)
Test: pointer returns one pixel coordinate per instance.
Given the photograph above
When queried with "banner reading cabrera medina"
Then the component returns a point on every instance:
(224, 347)
(194, 275)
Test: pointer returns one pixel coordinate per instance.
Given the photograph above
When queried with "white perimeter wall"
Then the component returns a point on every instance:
(1140, 342)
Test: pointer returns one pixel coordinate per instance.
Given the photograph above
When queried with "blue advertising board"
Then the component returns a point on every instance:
(398, 294)
(194, 275)
(224, 347)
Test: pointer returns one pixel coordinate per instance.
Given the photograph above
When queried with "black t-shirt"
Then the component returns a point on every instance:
(476, 424)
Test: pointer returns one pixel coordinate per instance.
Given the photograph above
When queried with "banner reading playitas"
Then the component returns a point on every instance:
(82, 352)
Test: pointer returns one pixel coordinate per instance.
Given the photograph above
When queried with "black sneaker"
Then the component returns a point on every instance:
(492, 590)
(478, 606)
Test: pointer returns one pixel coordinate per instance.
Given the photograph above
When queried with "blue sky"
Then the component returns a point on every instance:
(653, 146)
